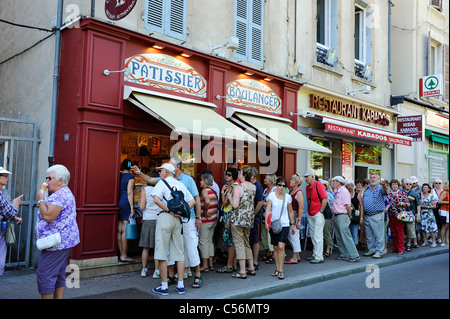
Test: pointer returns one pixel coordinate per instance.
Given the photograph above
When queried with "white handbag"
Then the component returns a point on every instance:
(49, 241)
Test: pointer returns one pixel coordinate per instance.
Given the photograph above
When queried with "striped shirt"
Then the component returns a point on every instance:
(213, 208)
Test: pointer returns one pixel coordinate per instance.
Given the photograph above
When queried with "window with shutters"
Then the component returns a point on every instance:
(167, 17)
(249, 28)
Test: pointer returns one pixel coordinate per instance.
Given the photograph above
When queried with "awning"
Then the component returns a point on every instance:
(367, 132)
(276, 130)
(436, 137)
(189, 117)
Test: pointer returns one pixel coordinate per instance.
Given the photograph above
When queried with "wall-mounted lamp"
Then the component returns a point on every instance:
(364, 90)
(158, 46)
(186, 55)
(108, 72)
(268, 79)
(303, 113)
(249, 73)
(232, 43)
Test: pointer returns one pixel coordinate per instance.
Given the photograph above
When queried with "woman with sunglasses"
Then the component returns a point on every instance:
(8, 211)
(56, 214)
(280, 205)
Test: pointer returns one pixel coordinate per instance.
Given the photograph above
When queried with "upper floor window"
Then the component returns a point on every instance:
(249, 28)
(167, 17)
(363, 42)
(437, 4)
(326, 32)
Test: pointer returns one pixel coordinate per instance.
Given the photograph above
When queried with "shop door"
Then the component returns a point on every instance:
(361, 172)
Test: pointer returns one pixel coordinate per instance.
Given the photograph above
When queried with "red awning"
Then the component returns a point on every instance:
(363, 131)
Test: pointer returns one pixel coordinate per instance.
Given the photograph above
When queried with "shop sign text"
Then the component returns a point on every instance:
(348, 110)
(164, 72)
(253, 94)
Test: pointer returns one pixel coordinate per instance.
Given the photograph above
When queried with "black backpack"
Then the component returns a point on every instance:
(178, 204)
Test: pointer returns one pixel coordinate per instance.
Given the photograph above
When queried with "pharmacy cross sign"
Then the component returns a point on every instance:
(430, 85)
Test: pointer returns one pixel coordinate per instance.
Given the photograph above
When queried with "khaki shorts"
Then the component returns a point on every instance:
(168, 234)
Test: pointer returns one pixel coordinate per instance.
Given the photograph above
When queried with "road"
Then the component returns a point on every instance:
(425, 278)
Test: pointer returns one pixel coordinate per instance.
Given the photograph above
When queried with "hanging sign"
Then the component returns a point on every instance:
(430, 85)
(253, 94)
(164, 72)
(118, 9)
(410, 126)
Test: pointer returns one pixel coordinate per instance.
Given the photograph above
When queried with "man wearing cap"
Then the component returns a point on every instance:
(372, 210)
(168, 228)
(415, 185)
(342, 212)
(317, 202)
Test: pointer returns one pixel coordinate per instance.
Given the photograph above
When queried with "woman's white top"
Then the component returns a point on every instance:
(276, 208)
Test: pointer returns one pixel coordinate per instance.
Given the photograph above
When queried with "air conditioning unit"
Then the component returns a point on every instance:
(363, 70)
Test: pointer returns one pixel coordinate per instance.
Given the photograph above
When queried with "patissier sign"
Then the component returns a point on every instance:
(164, 72)
(253, 94)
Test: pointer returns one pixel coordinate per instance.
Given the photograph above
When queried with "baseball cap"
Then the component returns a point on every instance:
(168, 167)
(4, 171)
(308, 172)
(339, 179)
(414, 179)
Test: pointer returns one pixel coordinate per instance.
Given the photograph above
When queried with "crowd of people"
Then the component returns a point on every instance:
(354, 216)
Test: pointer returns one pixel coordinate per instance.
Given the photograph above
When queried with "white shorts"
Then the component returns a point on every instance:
(190, 240)
(445, 214)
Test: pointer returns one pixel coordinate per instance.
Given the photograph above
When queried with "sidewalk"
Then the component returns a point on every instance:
(21, 283)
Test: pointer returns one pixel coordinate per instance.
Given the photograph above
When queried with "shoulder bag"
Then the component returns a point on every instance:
(10, 235)
(275, 225)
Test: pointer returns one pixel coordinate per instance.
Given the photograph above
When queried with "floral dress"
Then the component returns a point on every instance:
(243, 215)
(428, 224)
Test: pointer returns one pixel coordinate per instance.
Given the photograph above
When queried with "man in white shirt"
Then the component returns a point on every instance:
(168, 229)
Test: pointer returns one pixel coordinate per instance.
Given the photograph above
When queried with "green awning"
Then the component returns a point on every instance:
(437, 137)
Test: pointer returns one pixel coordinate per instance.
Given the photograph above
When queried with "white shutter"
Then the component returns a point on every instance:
(257, 32)
(241, 20)
(176, 27)
(154, 10)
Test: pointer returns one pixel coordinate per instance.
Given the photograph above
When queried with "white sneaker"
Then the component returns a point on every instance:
(144, 272)
(156, 275)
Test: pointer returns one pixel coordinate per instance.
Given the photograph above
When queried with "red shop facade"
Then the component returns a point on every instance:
(104, 117)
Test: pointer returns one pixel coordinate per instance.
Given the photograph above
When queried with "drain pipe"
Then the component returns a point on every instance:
(390, 5)
(51, 153)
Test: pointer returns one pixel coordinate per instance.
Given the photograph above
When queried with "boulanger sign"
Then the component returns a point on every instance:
(430, 85)
(164, 72)
(253, 94)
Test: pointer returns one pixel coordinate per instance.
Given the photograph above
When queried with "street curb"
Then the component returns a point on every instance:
(332, 274)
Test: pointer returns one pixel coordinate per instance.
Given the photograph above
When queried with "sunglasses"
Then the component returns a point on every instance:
(48, 178)
(408, 184)
(229, 174)
(438, 183)
(4, 175)
(281, 185)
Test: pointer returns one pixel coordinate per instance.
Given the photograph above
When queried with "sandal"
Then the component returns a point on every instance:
(275, 273)
(204, 270)
(265, 258)
(251, 272)
(408, 247)
(197, 282)
(270, 260)
(280, 275)
(289, 262)
(225, 269)
(239, 275)
(325, 254)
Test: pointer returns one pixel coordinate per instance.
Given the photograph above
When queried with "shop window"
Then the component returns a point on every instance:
(320, 162)
(368, 154)
(167, 17)
(249, 28)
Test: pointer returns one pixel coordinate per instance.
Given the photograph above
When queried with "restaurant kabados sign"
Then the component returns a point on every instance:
(164, 72)
(253, 94)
